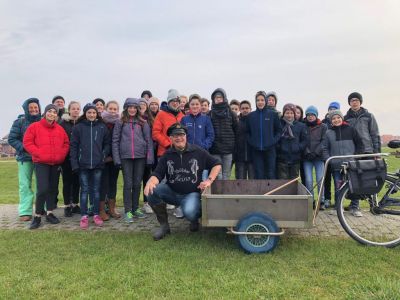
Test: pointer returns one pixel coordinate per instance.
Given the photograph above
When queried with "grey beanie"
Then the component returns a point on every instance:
(172, 95)
(50, 106)
(335, 112)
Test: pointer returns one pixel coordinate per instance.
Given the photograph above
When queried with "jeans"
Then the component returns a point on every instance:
(286, 171)
(338, 180)
(70, 184)
(46, 187)
(26, 196)
(308, 166)
(90, 180)
(264, 163)
(244, 170)
(226, 160)
(109, 179)
(190, 203)
(132, 171)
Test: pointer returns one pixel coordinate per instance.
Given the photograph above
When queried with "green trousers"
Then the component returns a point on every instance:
(26, 195)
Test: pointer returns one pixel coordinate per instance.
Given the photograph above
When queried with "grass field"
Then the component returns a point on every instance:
(207, 265)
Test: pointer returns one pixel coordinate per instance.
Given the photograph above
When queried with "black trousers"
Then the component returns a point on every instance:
(109, 179)
(46, 187)
(70, 184)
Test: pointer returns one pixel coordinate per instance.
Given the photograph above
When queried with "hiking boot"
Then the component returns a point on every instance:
(178, 213)
(68, 211)
(128, 217)
(25, 218)
(113, 209)
(356, 212)
(138, 214)
(103, 215)
(76, 209)
(194, 226)
(162, 217)
(52, 219)
(35, 223)
(97, 220)
(147, 208)
(84, 223)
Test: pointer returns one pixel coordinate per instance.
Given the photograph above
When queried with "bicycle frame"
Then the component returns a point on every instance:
(326, 167)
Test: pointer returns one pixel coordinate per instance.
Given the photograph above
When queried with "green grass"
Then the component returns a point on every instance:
(86, 265)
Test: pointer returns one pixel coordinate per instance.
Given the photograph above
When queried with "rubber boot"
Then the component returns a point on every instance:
(113, 210)
(102, 213)
(162, 217)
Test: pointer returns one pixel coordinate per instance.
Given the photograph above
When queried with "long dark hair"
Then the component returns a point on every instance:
(83, 117)
(125, 117)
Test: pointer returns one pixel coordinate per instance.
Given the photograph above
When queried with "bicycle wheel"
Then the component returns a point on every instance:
(376, 228)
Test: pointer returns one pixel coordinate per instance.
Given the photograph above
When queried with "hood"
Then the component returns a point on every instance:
(274, 95)
(29, 101)
(219, 90)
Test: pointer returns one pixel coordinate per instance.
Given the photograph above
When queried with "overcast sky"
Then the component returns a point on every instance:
(309, 52)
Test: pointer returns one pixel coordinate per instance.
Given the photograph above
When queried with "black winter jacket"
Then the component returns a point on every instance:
(290, 150)
(242, 148)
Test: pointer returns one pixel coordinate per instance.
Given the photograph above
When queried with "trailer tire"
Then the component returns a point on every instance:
(257, 222)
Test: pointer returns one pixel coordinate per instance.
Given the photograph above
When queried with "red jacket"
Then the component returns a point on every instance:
(163, 121)
(47, 143)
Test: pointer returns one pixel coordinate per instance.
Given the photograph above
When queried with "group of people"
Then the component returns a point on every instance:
(175, 149)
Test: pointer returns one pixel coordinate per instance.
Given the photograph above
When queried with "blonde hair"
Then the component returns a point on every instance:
(112, 102)
(72, 103)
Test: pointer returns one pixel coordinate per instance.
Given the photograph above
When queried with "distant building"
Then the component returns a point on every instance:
(5, 149)
(386, 138)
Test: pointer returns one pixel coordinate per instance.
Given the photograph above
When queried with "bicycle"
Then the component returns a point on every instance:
(380, 221)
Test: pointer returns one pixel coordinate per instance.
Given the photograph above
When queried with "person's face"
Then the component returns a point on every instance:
(100, 106)
(132, 111)
(74, 111)
(153, 107)
(245, 109)
(51, 115)
(143, 107)
(271, 101)
(174, 104)
(205, 108)
(336, 120)
(298, 114)
(289, 115)
(33, 109)
(59, 103)
(182, 102)
(355, 104)
(178, 141)
(235, 108)
(311, 118)
(113, 109)
(218, 99)
(260, 102)
(195, 106)
(145, 96)
(91, 115)
(331, 109)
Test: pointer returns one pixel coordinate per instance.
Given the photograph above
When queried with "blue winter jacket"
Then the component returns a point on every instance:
(263, 129)
(289, 150)
(200, 130)
(18, 129)
(90, 145)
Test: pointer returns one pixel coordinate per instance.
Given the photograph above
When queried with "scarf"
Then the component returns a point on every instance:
(287, 129)
(221, 110)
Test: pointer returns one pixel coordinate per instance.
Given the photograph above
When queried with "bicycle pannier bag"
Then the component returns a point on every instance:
(366, 177)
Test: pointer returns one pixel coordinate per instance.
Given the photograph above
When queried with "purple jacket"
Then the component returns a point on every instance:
(132, 140)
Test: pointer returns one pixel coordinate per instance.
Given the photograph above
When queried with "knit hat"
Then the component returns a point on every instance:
(89, 106)
(334, 104)
(99, 100)
(312, 110)
(172, 95)
(142, 100)
(261, 93)
(335, 112)
(355, 95)
(146, 92)
(289, 106)
(154, 100)
(56, 98)
(194, 96)
(50, 106)
(273, 94)
(131, 102)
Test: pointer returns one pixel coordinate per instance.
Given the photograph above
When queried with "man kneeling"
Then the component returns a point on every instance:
(182, 165)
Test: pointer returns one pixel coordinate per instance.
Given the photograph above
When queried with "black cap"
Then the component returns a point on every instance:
(356, 96)
(176, 128)
(89, 106)
(56, 98)
(99, 100)
(146, 92)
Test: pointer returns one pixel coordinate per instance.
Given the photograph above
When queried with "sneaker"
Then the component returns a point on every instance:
(178, 213)
(84, 224)
(139, 214)
(128, 217)
(35, 223)
(25, 218)
(327, 203)
(147, 208)
(356, 212)
(170, 206)
(97, 220)
(68, 211)
(76, 209)
(52, 219)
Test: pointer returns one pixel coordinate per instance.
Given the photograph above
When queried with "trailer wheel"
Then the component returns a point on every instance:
(257, 222)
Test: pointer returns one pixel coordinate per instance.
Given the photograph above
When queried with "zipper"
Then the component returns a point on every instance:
(91, 145)
(133, 137)
(261, 132)
(194, 131)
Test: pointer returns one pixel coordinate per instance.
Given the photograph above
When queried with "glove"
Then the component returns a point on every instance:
(311, 156)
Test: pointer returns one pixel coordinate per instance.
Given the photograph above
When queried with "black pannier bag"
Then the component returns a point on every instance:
(366, 177)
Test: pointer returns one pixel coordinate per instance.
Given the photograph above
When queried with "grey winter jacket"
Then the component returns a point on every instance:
(367, 129)
(132, 140)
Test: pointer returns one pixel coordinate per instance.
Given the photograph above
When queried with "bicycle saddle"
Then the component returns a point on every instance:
(394, 144)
